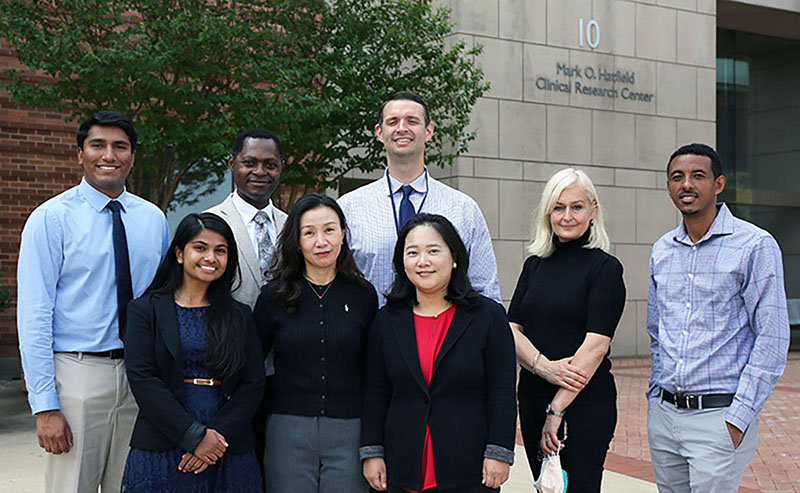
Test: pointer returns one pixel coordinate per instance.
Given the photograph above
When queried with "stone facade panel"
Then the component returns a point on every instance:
(696, 131)
(677, 90)
(655, 32)
(613, 138)
(619, 213)
(562, 21)
(510, 257)
(498, 168)
(485, 193)
(484, 122)
(522, 131)
(523, 20)
(655, 141)
(655, 214)
(617, 20)
(568, 135)
(539, 73)
(520, 200)
(501, 62)
(697, 39)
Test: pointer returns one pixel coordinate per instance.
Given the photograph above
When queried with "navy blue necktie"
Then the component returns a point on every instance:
(122, 265)
(406, 207)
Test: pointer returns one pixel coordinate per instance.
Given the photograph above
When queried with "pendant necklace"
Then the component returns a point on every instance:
(319, 296)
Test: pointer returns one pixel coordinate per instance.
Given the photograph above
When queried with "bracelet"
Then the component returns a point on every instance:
(535, 360)
(553, 412)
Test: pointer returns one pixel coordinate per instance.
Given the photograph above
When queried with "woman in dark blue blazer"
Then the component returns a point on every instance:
(195, 367)
(439, 408)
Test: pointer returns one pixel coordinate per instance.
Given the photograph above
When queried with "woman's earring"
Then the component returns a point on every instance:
(591, 222)
(455, 265)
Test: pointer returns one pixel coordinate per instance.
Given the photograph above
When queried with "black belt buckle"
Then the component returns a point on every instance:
(686, 401)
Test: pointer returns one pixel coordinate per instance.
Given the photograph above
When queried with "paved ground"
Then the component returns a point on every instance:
(777, 460)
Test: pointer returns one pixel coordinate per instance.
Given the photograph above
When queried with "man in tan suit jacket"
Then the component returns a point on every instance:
(256, 164)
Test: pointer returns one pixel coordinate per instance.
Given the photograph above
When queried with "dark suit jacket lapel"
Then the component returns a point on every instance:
(167, 321)
(401, 321)
(461, 320)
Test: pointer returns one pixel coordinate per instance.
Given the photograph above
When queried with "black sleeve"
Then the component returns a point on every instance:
(606, 298)
(515, 309)
(500, 361)
(263, 315)
(377, 387)
(152, 393)
(242, 404)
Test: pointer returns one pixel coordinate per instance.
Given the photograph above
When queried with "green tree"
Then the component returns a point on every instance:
(191, 73)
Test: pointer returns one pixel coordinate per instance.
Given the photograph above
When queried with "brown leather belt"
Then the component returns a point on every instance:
(206, 382)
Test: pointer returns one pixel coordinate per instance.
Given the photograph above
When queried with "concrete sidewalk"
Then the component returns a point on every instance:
(22, 461)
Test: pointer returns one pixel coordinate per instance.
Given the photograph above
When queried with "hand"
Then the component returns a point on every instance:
(375, 473)
(53, 432)
(736, 435)
(212, 447)
(192, 463)
(550, 442)
(563, 373)
(495, 473)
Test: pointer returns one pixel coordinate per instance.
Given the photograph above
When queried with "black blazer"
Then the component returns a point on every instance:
(155, 372)
(471, 403)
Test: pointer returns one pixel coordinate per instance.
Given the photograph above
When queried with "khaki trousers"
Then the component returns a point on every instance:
(100, 410)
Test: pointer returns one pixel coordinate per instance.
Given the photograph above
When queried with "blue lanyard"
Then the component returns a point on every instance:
(397, 225)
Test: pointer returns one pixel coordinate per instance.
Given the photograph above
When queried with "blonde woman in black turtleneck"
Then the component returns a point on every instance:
(565, 309)
(315, 315)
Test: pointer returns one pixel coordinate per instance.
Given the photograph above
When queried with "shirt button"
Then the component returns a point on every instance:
(685, 332)
(679, 387)
(320, 305)
(322, 341)
(680, 361)
(321, 322)
(322, 412)
(322, 358)
(691, 276)
(688, 305)
(323, 377)
(323, 397)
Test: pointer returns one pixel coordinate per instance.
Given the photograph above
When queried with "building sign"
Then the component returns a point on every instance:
(593, 80)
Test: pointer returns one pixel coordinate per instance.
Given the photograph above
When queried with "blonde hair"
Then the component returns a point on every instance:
(542, 241)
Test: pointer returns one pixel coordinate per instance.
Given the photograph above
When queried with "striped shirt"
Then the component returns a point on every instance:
(716, 315)
(373, 234)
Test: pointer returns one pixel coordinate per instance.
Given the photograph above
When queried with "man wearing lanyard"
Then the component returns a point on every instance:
(378, 210)
(84, 254)
(719, 332)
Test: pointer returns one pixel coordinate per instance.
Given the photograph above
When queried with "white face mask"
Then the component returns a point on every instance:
(552, 479)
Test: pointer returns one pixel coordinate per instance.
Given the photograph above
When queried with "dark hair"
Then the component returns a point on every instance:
(225, 351)
(255, 133)
(108, 119)
(459, 290)
(288, 268)
(699, 150)
(405, 96)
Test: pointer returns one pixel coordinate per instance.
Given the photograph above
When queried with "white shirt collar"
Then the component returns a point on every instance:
(419, 184)
(248, 211)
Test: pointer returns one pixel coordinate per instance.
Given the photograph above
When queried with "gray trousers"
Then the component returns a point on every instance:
(692, 450)
(312, 455)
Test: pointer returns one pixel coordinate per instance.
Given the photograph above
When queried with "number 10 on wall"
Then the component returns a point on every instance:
(588, 33)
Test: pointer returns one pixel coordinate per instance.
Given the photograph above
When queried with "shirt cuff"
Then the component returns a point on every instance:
(43, 401)
(370, 451)
(497, 452)
(739, 415)
(193, 436)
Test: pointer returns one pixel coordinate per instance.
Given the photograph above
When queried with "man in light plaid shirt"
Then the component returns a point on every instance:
(719, 333)
(376, 212)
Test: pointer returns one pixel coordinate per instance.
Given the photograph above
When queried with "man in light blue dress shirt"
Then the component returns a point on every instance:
(719, 333)
(375, 211)
(68, 314)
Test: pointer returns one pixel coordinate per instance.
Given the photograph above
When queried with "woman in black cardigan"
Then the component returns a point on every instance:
(314, 315)
(195, 367)
(439, 406)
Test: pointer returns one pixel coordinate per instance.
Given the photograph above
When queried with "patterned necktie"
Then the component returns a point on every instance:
(122, 265)
(406, 207)
(265, 248)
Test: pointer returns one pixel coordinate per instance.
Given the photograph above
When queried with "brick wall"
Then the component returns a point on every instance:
(37, 161)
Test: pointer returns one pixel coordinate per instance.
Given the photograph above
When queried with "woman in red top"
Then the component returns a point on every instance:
(439, 408)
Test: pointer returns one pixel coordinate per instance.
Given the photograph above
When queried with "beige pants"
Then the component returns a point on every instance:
(100, 410)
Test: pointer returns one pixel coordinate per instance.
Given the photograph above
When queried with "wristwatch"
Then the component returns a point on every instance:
(553, 412)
